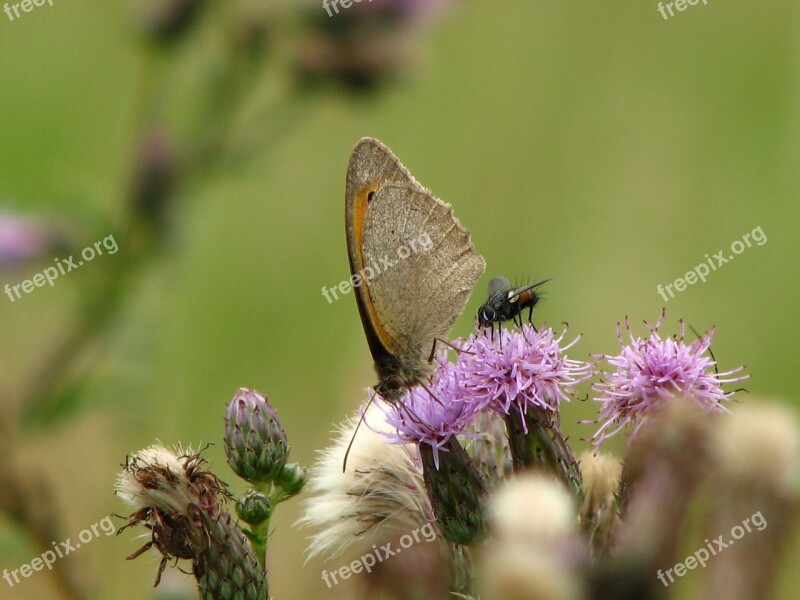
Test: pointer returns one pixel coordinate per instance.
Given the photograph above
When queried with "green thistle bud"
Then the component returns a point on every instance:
(292, 478)
(255, 442)
(254, 508)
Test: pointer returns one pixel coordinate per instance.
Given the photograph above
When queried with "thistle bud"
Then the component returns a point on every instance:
(25, 239)
(254, 508)
(156, 176)
(292, 478)
(255, 442)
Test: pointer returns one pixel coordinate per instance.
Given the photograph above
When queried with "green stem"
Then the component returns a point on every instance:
(543, 446)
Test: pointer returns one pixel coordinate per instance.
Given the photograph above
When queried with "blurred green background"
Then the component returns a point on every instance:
(592, 142)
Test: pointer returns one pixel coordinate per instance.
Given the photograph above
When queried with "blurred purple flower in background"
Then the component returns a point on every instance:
(23, 239)
(365, 44)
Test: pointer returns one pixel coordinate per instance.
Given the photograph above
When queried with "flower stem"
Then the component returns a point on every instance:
(456, 491)
(536, 441)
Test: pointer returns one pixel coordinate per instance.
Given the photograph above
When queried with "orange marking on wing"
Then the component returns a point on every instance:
(361, 206)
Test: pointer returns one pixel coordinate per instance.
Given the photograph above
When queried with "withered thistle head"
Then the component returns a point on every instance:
(381, 494)
(181, 502)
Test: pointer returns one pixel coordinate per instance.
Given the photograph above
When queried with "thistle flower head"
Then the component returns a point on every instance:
(181, 502)
(168, 20)
(651, 371)
(169, 481)
(255, 442)
(758, 446)
(364, 45)
(431, 414)
(509, 371)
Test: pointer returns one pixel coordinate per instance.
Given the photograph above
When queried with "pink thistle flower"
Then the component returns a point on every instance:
(514, 370)
(652, 371)
(433, 413)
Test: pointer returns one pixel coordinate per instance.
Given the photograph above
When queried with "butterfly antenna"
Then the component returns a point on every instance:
(358, 426)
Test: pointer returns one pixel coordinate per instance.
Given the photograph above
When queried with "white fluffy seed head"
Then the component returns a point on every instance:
(533, 508)
(156, 476)
(381, 494)
(514, 573)
(761, 443)
(534, 550)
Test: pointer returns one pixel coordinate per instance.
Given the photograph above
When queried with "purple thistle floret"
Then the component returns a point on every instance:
(652, 371)
(509, 371)
(433, 413)
(504, 372)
